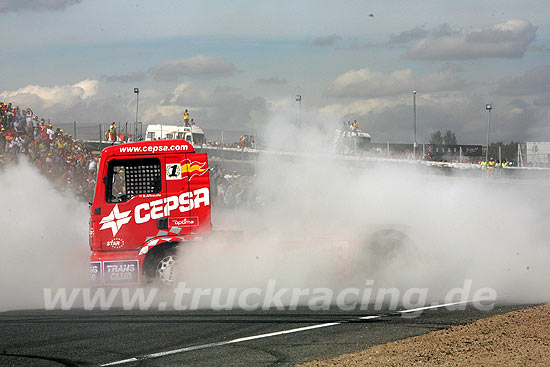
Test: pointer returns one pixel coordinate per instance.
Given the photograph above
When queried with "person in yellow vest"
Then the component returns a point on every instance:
(186, 118)
(483, 165)
(112, 132)
(491, 167)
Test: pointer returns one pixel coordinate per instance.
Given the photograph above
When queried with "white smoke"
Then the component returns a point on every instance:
(311, 230)
(489, 231)
(44, 240)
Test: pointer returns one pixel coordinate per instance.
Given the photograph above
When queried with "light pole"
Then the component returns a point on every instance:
(136, 91)
(488, 107)
(299, 100)
(414, 119)
(140, 123)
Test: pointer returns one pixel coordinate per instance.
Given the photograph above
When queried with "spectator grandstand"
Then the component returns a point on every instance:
(66, 162)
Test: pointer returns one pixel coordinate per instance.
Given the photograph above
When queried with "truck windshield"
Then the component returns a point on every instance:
(199, 139)
(127, 178)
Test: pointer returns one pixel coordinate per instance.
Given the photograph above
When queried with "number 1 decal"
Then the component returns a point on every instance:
(173, 171)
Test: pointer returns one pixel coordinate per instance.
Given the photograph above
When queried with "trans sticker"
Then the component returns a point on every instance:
(121, 272)
(95, 273)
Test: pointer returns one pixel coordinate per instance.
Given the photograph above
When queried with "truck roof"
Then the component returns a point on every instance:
(173, 146)
(174, 128)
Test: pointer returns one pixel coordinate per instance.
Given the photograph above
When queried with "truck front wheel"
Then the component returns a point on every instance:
(162, 267)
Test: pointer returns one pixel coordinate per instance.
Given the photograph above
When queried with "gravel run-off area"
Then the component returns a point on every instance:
(518, 338)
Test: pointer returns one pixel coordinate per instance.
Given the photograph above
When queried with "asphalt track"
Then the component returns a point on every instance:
(206, 338)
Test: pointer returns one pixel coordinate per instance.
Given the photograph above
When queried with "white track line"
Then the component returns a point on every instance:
(436, 306)
(268, 335)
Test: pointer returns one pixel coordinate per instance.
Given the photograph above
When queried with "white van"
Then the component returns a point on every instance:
(193, 134)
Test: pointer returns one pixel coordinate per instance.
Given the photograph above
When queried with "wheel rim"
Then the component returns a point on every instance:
(166, 269)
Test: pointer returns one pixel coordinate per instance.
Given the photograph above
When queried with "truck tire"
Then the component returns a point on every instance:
(161, 268)
(384, 247)
(387, 243)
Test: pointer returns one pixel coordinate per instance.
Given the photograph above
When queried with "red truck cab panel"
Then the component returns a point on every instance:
(187, 180)
(145, 191)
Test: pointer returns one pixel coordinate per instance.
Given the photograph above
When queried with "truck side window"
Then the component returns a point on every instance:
(127, 178)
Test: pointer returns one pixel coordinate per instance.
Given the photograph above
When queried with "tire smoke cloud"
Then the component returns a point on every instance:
(320, 221)
(44, 238)
(321, 214)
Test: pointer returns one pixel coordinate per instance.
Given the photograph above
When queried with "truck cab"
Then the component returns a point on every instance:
(150, 198)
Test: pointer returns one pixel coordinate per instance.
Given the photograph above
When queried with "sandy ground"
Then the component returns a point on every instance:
(518, 338)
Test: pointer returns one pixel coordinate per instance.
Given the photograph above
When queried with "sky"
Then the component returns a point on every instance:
(238, 65)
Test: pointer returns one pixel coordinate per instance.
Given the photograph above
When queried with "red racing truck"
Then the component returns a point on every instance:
(150, 196)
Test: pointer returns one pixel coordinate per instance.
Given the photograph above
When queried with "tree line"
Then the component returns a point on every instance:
(437, 138)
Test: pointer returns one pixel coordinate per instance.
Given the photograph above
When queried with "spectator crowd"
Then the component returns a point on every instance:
(231, 190)
(60, 158)
(245, 141)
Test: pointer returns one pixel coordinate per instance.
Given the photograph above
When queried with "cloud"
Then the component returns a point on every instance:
(453, 67)
(274, 80)
(326, 41)
(126, 78)
(102, 108)
(33, 95)
(507, 40)
(421, 32)
(518, 116)
(7, 6)
(463, 112)
(365, 83)
(533, 81)
(85, 102)
(90, 102)
(410, 35)
(196, 67)
(221, 107)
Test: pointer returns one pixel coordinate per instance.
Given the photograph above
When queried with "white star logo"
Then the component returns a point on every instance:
(115, 220)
